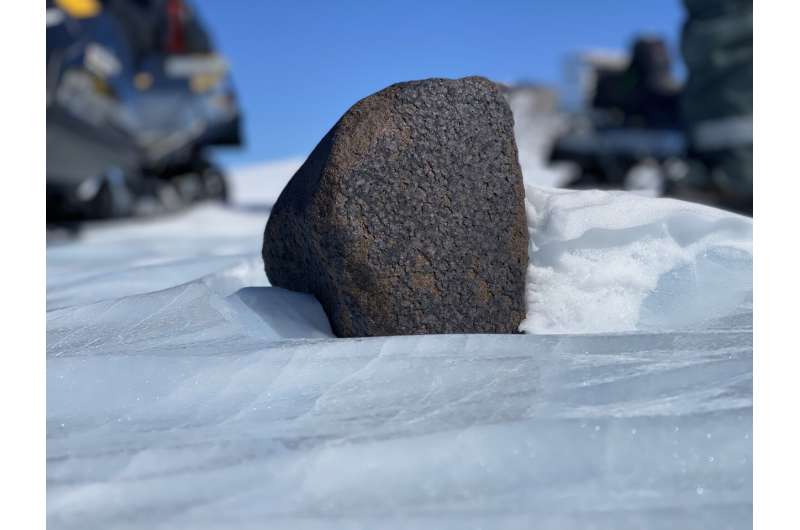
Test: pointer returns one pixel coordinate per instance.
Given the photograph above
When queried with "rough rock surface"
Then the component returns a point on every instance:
(409, 216)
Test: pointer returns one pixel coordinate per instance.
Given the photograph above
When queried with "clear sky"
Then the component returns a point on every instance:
(298, 65)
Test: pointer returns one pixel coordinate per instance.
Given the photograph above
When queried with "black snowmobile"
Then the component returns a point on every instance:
(629, 135)
(136, 95)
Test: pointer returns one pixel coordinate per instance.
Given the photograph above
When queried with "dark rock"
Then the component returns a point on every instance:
(409, 216)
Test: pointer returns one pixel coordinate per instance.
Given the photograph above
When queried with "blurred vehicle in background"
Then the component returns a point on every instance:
(628, 133)
(639, 129)
(136, 94)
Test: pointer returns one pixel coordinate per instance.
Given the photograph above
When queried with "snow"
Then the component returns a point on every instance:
(612, 261)
(185, 392)
(537, 124)
(262, 183)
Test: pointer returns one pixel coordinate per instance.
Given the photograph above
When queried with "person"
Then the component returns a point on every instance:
(717, 103)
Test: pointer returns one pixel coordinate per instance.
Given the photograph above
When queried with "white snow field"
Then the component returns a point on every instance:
(184, 392)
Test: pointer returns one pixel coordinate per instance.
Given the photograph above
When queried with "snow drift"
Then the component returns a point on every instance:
(612, 261)
(183, 391)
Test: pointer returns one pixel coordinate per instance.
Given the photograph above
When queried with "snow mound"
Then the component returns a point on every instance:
(605, 262)
(537, 125)
(262, 183)
(110, 261)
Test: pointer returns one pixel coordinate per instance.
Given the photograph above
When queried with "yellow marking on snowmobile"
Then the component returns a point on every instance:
(101, 86)
(143, 80)
(80, 8)
(203, 82)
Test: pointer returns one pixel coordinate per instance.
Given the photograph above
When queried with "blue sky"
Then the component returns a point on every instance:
(298, 65)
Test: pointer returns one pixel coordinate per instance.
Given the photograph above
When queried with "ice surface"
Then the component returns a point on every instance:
(184, 392)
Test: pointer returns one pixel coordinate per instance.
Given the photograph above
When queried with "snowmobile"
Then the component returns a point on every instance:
(136, 95)
(628, 134)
